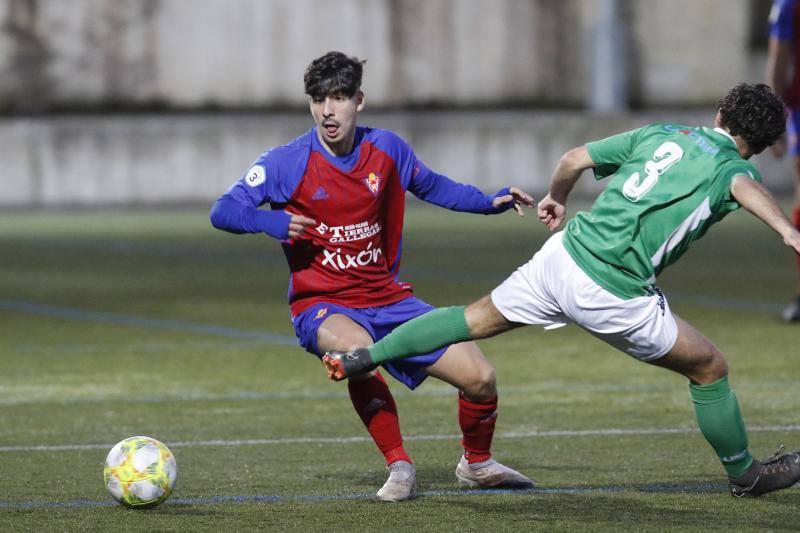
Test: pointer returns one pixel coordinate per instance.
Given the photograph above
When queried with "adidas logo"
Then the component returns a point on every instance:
(320, 194)
(373, 405)
(489, 418)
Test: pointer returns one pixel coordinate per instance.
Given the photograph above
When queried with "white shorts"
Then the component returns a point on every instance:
(551, 290)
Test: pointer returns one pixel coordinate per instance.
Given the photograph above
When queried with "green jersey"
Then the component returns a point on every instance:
(669, 184)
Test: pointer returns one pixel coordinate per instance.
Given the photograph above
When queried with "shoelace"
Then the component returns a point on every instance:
(774, 457)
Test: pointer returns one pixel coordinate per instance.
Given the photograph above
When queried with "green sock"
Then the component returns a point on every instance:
(718, 416)
(423, 334)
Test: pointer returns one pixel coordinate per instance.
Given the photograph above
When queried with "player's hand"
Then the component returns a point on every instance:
(298, 225)
(518, 196)
(551, 213)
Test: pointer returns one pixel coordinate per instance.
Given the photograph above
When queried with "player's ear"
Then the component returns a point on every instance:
(359, 100)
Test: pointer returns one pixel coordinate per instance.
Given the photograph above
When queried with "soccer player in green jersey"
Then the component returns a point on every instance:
(668, 184)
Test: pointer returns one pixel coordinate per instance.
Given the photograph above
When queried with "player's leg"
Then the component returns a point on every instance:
(370, 394)
(792, 311)
(424, 334)
(375, 405)
(442, 327)
(693, 356)
(645, 328)
(716, 406)
(462, 365)
(719, 418)
(465, 367)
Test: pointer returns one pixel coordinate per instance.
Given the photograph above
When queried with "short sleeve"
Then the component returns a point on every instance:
(739, 168)
(610, 153)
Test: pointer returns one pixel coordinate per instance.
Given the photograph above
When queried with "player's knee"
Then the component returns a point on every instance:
(484, 385)
(350, 341)
(359, 343)
(710, 367)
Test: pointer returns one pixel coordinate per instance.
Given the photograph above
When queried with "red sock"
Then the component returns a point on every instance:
(375, 405)
(796, 222)
(477, 421)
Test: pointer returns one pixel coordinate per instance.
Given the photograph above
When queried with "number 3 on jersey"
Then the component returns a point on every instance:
(664, 157)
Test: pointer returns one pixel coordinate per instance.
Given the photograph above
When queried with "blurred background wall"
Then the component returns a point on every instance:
(130, 101)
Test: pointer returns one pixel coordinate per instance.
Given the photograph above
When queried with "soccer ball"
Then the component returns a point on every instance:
(140, 472)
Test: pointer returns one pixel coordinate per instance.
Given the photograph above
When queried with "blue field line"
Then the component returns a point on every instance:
(430, 391)
(21, 306)
(691, 488)
(139, 321)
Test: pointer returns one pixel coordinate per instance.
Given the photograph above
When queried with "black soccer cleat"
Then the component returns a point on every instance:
(780, 471)
(342, 365)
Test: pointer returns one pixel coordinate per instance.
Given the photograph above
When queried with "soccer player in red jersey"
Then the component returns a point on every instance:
(783, 74)
(337, 197)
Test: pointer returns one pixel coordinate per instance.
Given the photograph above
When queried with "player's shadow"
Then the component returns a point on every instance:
(627, 509)
(609, 511)
(442, 477)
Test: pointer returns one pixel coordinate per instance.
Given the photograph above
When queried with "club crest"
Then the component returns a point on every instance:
(373, 182)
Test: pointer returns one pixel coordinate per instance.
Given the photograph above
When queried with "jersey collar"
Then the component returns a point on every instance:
(347, 162)
(726, 134)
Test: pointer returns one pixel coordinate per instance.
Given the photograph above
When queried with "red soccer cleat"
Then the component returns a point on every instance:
(342, 365)
(333, 364)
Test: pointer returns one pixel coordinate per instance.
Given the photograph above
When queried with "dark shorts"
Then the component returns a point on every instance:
(792, 131)
(378, 321)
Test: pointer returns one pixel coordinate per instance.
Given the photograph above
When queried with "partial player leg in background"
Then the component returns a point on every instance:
(792, 311)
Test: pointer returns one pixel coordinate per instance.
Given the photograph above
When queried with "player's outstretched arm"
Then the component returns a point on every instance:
(757, 199)
(553, 208)
(440, 190)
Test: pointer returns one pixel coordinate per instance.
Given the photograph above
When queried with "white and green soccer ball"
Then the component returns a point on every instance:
(140, 472)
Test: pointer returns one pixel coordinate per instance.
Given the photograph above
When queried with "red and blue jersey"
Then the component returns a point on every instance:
(352, 256)
(784, 19)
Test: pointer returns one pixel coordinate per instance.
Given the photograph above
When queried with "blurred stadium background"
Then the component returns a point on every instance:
(151, 101)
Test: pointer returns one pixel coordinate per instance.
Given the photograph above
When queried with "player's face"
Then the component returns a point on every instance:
(335, 115)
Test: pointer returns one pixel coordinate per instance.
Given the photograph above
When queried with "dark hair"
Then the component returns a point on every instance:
(754, 113)
(333, 73)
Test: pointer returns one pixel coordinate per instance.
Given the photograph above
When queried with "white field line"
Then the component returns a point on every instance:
(346, 440)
